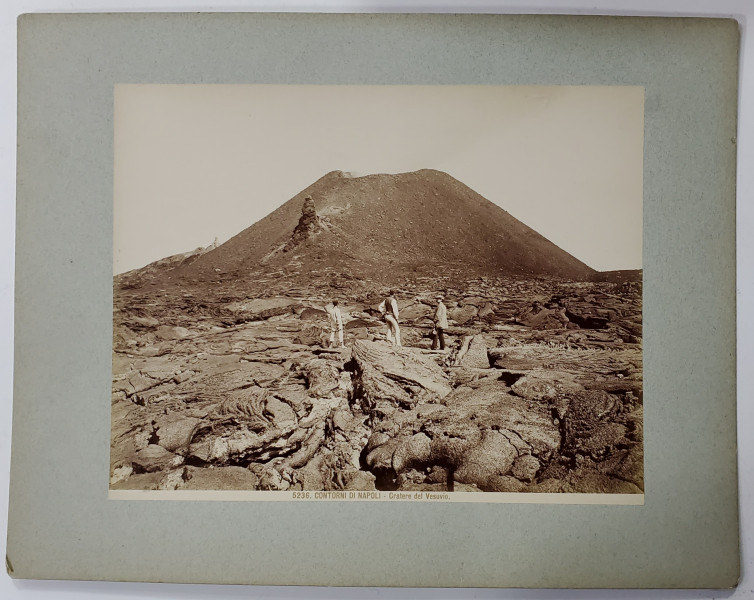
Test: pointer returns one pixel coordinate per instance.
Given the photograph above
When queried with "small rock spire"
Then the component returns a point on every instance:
(307, 226)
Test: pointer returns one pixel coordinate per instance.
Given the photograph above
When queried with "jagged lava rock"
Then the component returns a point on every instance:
(308, 225)
(385, 372)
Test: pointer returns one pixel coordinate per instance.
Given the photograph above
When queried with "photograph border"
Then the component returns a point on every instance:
(686, 534)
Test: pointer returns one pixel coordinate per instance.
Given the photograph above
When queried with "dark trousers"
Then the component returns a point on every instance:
(439, 336)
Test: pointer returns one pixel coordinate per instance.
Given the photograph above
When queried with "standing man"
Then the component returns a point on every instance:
(336, 323)
(389, 309)
(441, 324)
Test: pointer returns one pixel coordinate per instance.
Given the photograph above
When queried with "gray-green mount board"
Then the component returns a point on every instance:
(61, 524)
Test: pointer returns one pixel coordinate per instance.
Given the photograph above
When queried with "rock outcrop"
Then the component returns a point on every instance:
(401, 376)
(308, 225)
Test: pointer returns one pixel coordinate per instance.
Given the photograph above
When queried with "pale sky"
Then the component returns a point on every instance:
(199, 162)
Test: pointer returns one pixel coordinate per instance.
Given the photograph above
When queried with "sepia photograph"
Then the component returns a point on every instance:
(327, 292)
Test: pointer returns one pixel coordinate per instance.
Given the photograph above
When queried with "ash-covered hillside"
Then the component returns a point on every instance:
(381, 227)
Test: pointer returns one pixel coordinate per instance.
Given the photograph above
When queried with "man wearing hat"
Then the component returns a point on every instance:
(441, 324)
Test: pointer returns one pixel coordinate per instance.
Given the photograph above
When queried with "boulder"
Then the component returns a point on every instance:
(416, 311)
(387, 372)
(173, 431)
(493, 456)
(315, 436)
(249, 425)
(378, 438)
(413, 452)
(539, 385)
(381, 457)
(554, 388)
(451, 441)
(463, 314)
(438, 474)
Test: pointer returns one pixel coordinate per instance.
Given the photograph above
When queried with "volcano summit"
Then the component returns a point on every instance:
(385, 227)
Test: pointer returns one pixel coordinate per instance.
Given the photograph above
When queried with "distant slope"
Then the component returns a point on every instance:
(158, 268)
(384, 226)
(618, 276)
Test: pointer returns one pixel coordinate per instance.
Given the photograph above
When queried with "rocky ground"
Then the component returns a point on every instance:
(540, 389)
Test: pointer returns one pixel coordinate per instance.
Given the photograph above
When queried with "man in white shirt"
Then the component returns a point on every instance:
(336, 323)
